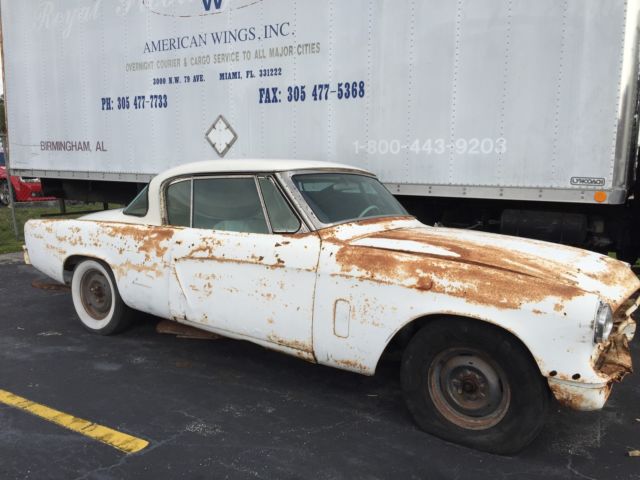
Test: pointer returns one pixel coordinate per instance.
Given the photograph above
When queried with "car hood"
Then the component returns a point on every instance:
(498, 268)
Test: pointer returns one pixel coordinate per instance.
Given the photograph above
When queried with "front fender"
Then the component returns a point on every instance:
(355, 319)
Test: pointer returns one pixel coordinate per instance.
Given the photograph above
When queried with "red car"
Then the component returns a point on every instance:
(25, 189)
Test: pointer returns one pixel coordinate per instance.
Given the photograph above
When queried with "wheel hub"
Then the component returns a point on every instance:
(469, 384)
(468, 389)
(95, 292)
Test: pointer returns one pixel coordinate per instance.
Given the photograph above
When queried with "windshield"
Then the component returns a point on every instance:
(340, 197)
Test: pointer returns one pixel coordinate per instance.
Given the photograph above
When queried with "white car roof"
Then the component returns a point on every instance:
(249, 166)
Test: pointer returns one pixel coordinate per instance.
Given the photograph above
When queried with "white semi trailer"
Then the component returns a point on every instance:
(517, 116)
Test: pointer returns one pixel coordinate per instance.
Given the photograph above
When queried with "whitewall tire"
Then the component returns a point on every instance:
(96, 299)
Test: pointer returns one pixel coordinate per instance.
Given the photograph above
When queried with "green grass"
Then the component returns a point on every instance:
(8, 241)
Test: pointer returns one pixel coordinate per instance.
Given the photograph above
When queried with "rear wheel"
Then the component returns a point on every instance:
(96, 299)
(473, 384)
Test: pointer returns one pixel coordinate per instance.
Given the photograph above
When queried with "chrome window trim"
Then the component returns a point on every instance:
(264, 206)
(164, 211)
(303, 228)
(191, 206)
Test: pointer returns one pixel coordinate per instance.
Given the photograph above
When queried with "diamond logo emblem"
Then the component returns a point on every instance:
(221, 136)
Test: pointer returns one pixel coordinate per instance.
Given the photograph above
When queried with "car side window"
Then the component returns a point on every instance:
(179, 204)
(282, 218)
(140, 205)
(228, 204)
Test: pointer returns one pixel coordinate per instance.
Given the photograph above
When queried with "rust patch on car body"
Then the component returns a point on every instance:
(123, 269)
(184, 331)
(484, 270)
(147, 239)
(294, 344)
(352, 365)
(384, 220)
(482, 255)
(569, 397)
(205, 249)
(614, 360)
(221, 259)
(605, 270)
(474, 283)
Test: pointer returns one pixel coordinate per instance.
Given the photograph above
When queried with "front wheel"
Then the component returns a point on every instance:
(473, 384)
(96, 299)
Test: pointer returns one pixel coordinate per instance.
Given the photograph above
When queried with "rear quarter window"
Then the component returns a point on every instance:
(140, 205)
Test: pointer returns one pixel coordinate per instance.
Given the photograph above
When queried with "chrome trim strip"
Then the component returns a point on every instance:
(264, 206)
(164, 212)
(191, 206)
(304, 226)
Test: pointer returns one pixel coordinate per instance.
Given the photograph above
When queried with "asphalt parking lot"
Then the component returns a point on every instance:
(228, 409)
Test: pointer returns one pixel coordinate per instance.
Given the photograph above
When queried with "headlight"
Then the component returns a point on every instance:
(603, 323)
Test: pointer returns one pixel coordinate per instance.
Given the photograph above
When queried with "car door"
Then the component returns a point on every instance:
(231, 273)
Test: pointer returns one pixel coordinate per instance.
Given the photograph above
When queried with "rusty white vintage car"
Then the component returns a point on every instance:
(320, 261)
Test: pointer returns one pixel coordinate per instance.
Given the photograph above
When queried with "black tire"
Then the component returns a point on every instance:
(97, 300)
(473, 384)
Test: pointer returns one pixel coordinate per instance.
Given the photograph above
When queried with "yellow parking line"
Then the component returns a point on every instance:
(121, 441)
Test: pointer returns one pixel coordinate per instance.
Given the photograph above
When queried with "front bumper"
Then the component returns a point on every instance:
(612, 360)
(580, 396)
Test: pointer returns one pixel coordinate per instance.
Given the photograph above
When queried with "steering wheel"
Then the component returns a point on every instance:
(369, 209)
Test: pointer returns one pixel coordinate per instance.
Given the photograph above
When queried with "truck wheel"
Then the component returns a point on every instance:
(96, 299)
(4, 193)
(472, 384)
